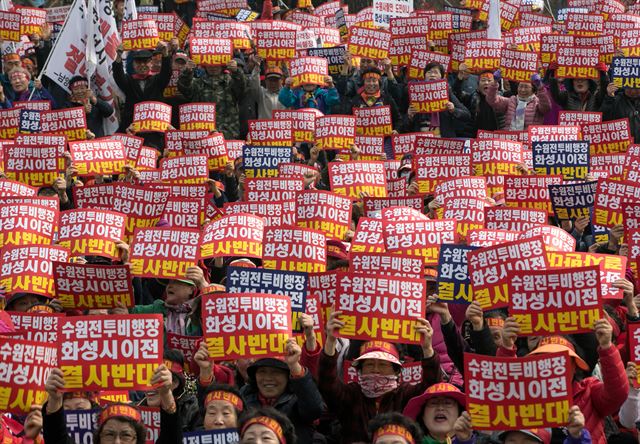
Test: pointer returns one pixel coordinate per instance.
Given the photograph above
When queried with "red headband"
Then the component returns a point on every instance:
(175, 367)
(375, 75)
(495, 322)
(394, 430)
(221, 395)
(269, 423)
(115, 410)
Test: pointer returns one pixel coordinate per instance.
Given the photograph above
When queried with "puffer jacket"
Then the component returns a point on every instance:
(622, 106)
(597, 399)
(571, 101)
(534, 113)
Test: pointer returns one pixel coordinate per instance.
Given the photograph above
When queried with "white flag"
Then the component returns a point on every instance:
(495, 30)
(130, 10)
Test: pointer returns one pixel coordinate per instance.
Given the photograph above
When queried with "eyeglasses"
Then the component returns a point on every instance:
(112, 436)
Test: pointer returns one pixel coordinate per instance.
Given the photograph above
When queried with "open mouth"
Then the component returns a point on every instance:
(440, 417)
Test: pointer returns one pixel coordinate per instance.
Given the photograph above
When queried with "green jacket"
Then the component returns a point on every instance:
(158, 307)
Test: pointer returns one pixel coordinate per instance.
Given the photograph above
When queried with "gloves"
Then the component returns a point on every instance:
(536, 80)
(497, 76)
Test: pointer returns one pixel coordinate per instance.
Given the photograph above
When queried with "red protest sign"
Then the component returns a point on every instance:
(274, 214)
(30, 364)
(27, 224)
(386, 264)
(427, 144)
(31, 20)
(185, 212)
(9, 26)
(213, 147)
(369, 43)
(324, 211)
(584, 24)
(553, 133)
(151, 117)
(210, 52)
(28, 269)
(373, 121)
(549, 44)
(482, 54)
(353, 178)
(502, 395)
(402, 46)
(164, 253)
(70, 122)
(374, 205)
(530, 191)
(88, 286)
(34, 164)
(139, 34)
(370, 147)
(98, 157)
(272, 189)
(513, 219)
(418, 238)
(579, 118)
(380, 308)
(490, 268)
(188, 345)
(142, 206)
(432, 168)
(420, 58)
(175, 140)
(97, 352)
(467, 211)
(611, 196)
(92, 232)
(613, 136)
(9, 122)
(577, 63)
(469, 186)
(335, 132)
(309, 71)
(220, 29)
(368, 237)
(488, 238)
(429, 97)
(185, 169)
(272, 44)
(233, 235)
(294, 249)
(518, 66)
(13, 188)
(238, 326)
(198, 116)
(559, 301)
(267, 132)
(39, 327)
(303, 122)
(554, 238)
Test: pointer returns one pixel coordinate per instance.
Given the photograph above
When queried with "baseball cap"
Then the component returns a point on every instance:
(553, 344)
(142, 54)
(542, 435)
(273, 71)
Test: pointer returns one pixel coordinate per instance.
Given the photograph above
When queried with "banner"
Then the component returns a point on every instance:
(335, 132)
(429, 97)
(98, 157)
(308, 71)
(275, 44)
(233, 235)
(433, 168)
(518, 66)
(568, 159)
(573, 200)
(369, 237)
(421, 238)
(185, 169)
(270, 132)
(139, 34)
(198, 116)
(88, 286)
(27, 224)
(151, 117)
(454, 282)
(380, 308)
(530, 191)
(386, 264)
(373, 206)
(272, 189)
(373, 121)
(560, 301)
(92, 232)
(248, 325)
(29, 364)
(210, 52)
(501, 396)
(482, 54)
(492, 266)
(613, 136)
(325, 211)
(37, 166)
(369, 43)
(334, 57)
(263, 161)
(28, 269)
(69, 122)
(97, 353)
(274, 214)
(352, 179)
(513, 219)
(164, 253)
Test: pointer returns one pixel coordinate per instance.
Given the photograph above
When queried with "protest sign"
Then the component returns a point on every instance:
(27, 224)
(549, 44)
(334, 57)
(373, 206)
(454, 283)
(188, 345)
(98, 157)
(335, 132)
(369, 43)
(197, 116)
(518, 66)
(402, 46)
(585, 24)
(427, 144)
(151, 117)
(29, 121)
(31, 20)
(217, 29)
(164, 253)
(272, 189)
(142, 206)
(88, 286)
(579, 117)
(420, 58)
(625, 72)
(274, 213)
(139, 34)
(294, 249)
(558, 301)
(308, 71)
(432, 168)
(223, 436)
(275, 44)
(491, 267)
(81, 424)
(631, 171)
(467, 211)
(530, 191)
(92, 232)
(233, 235)
(215, 149)
(613, 136)
(237, 326)
(13, 188)
(611, 164)
(211, 52)
(185, 169)
(96, 352)
(469, 186)
(554, 238)
(429, 97)
(373, 121)
(38, 327)
(568, 159)
(96, 196)
(577, 62)
(303, 122)
(324, 211)
(29, 364)
(514, 219)
(370, 147)
(36, 166)
(482, 54)
(185, 212)
(610, 198)
(9, 26)
(573, 200)
(234, 148)
(419, 238)
(175, 140)
(70, 122)
(386, 264)
(553, 133)
(380, 308)
(28, 269)
(350, 179)
(263, 161)
(487, 238)
(368, 237)
(9, 123)
(270, 132)
(385, 10)
(501, 395)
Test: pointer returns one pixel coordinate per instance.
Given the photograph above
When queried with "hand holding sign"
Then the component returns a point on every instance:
(603, 331)
(576, 422)
(334, 324)
(426, 331)
(54, 387)
(462, 427)
(510, 332)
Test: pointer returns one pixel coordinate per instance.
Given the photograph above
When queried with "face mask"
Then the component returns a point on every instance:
(374, 385)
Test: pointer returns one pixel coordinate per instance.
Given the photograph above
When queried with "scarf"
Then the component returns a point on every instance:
(374, 385)
(518, 118)
(176, 319)
(370, 100)
(428, 439)
(266, 402)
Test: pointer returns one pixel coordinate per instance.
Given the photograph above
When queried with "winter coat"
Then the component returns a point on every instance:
(323, 98)
(452, 124)
(534, 112)
(224, 90)
(570, 100)
(619, 107)
(384, 100)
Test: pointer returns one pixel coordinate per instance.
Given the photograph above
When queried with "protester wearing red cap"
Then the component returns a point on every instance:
(378, 389)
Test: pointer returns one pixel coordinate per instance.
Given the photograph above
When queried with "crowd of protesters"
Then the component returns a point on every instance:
(302, 397)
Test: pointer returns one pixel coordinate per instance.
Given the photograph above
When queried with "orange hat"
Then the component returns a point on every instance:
(553, 344)
(385, 351)
(273, 71)
(11, 57)
(440, 390)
